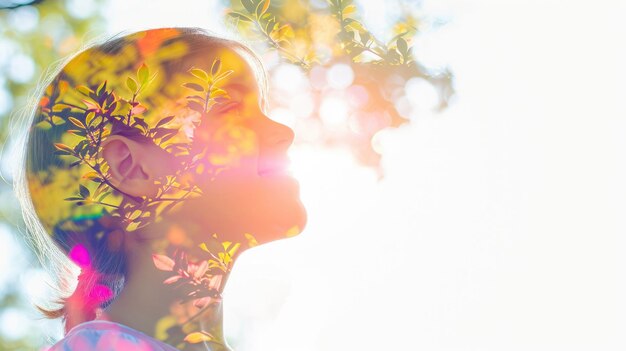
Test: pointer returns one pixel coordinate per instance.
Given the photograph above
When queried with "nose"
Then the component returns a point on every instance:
(276, 135)
(275, 139)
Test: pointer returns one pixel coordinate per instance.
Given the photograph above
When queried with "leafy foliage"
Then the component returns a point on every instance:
(305, 34)
(104, 113)
(203, 281)
(316, 38)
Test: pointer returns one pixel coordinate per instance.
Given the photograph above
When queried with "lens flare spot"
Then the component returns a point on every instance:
(80, 256)
(340, 76)
(334, 112)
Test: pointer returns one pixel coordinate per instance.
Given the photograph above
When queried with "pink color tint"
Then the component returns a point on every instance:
(80, 256)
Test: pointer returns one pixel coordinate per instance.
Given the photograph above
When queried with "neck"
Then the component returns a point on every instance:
(164, 311)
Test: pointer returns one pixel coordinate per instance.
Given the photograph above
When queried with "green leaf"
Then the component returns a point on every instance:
(84, 90)
(402, 46)
(260, 10)
(139, 121)
(90, 117)
(101, 87)
(199, 73)
(131, 84)
(45, 125)
(222, 76)
(393, 56)
(239, 16)
(164, 121)
(103, 196)
(76, 122)
(60, 107)
(142, 74)
(56, 120)
(216, 66)
(169, 136)
(84, 192)
(248, 5)
(351, 23)
(266, 6)
(194, 86)
(365, 37)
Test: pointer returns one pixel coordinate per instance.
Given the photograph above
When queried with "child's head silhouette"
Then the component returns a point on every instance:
(150, 159)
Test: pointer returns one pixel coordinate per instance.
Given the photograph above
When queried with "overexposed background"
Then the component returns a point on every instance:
(499, 224)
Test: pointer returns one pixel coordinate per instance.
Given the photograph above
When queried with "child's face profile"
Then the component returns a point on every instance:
(152, 137)
(166, 136)
(243, 188)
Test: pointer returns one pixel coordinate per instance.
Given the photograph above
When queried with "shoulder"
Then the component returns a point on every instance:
(107, 336)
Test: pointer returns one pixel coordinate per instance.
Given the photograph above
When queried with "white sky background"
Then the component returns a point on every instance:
(499, 225)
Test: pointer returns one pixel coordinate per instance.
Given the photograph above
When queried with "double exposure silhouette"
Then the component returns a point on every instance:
(152, 165)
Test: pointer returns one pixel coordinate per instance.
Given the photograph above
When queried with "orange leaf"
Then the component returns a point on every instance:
(90, 105)
(90, 175)
(44, 101)
(63, 147)
(265, 7)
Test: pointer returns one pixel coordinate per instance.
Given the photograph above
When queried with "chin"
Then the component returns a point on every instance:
(289, 220)
(267, 207)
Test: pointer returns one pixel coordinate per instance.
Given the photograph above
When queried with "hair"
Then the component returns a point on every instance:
(59, 249)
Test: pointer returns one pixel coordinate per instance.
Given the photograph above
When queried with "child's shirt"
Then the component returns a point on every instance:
(103, 335)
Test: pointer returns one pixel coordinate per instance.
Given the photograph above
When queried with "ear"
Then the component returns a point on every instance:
(129, 166)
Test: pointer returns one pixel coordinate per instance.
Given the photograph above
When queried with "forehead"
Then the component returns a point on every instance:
(243, 76)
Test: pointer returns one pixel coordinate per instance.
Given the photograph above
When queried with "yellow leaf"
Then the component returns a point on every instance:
(84, 90)
(217, 92)
(349, 9)
(226, 244)
(252, 242)
(59, 107)
(293, 231)
(45, 125)
(199, 73)
(162, 325)
(233, 249)
(90, 117)
(90, 175)
(131, 84)
(135, 214)
(142, 74)
(57, 120)
(197, 337)
(132, 226)
(203, 247)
